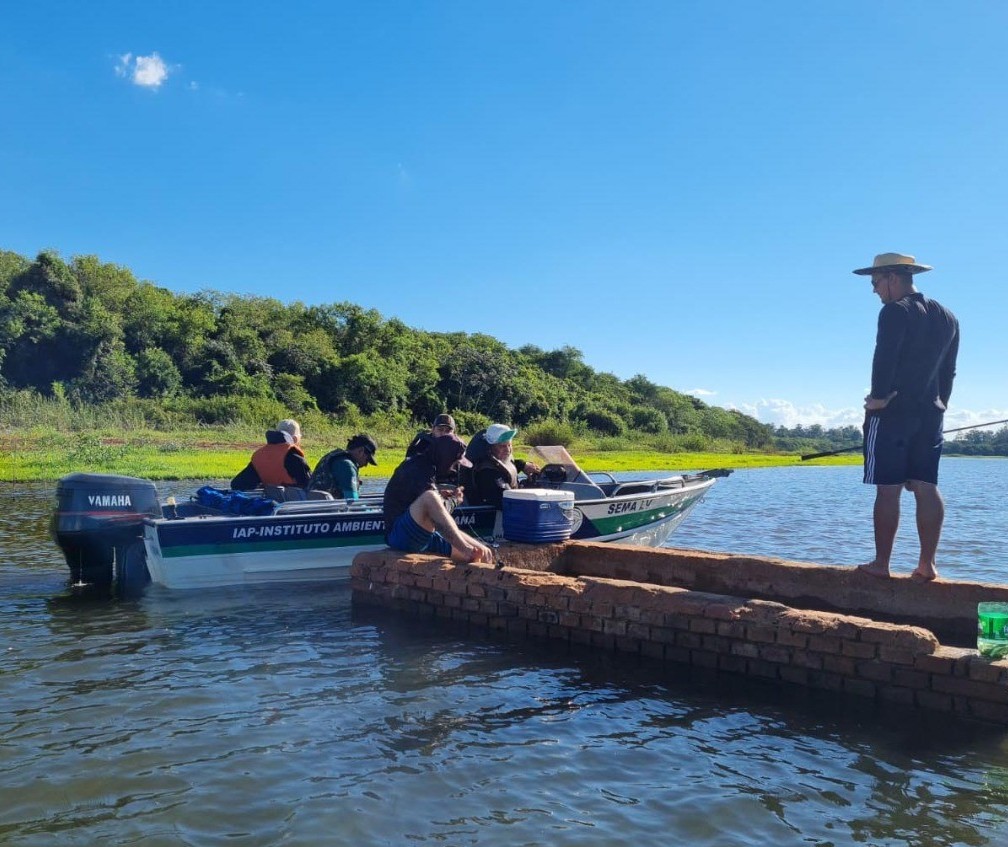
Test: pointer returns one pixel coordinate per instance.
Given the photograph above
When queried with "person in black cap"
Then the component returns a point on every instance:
(337, 471)
(444, 424)
(912, 372)
(417, 519)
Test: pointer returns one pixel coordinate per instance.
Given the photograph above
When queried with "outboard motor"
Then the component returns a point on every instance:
(97, 520)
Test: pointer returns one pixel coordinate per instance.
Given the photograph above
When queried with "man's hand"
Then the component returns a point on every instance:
(873, 404)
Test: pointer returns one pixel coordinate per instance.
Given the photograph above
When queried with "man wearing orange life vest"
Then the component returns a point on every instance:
(280, 461)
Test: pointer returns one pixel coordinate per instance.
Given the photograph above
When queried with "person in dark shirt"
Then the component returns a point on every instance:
(913, 368)
(417, 519)
(444, 424)
(337, 471)
(497, 471)
(280, 461)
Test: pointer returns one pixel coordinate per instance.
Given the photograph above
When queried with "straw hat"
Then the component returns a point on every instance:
(894, 262)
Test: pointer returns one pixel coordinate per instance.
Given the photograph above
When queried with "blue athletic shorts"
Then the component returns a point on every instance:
(407, 535)
(899, 448)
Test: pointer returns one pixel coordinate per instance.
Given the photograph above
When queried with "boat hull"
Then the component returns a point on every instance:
(318, 541)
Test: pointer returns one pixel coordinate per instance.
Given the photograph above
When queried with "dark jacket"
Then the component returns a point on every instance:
(277, 462)
(337, 473)
(412, 478)
(915, 354)
(490, 479)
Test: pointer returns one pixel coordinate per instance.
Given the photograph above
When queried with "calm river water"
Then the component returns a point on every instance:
(287, 717)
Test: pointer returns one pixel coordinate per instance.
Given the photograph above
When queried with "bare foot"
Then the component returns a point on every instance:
(924, 576)
(874, 569)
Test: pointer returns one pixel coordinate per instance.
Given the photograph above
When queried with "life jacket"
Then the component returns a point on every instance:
(475, 497)
(268, 462)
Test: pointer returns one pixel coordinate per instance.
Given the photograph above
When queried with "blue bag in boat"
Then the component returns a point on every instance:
(234, 502)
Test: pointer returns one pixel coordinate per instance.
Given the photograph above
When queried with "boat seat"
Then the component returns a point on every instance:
(637, 487)
(293, 493)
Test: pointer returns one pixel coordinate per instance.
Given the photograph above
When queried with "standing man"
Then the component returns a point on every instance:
(337, 471)
(912, 373)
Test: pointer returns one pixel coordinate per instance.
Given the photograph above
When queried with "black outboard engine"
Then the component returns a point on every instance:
(98, 518)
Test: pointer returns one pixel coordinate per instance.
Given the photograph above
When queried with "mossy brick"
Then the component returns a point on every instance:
(453, 601)
(497, 622)
(548, 616)
(693, 640)
(630, 646)
(580, 636)
(844, 665)
(910, 678)
(471, 604)
(536, 629)
(440, 583)
(789, 638)
(517, 626)
(762, 668)
(731, 629)
(703, 625)
(593, 623)
(744, 648)
(806, 659)
(796, 675)
(896, 655)
(716, 644)
(639, 630)
(985, 670)
(442, 612)
(507, 610)
(959, 686)
(652, 617)
(775, 653)
(627, 612)
(731, 663)
(570, 619)
(988, 711)
(602, 609)
(663, 635)
(612, 626)
(676, 621)
(858, 649)
(475, 589)
(761, 633)
(875, 670)
(824, 644)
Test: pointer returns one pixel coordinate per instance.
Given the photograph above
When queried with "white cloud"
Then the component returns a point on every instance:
(787, 414)
(700, 392)
(145, 71)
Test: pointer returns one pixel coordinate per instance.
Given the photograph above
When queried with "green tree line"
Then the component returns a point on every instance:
(89, 332)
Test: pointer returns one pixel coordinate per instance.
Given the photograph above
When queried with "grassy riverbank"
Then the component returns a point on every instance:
(219, 453)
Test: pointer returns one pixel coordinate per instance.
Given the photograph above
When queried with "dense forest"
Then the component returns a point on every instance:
(88, 332)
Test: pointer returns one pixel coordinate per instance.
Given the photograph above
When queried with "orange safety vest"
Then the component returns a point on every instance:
(268, 462)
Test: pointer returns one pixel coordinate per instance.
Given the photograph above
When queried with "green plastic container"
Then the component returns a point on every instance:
(992, 629)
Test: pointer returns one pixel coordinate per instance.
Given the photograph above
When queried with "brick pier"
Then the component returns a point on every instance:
(812, 625)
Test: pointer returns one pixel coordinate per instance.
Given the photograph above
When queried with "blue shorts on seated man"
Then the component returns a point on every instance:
(407, 535)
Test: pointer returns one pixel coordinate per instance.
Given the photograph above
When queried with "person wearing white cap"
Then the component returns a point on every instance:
(913, 369)
(280, 461)
(498, 471)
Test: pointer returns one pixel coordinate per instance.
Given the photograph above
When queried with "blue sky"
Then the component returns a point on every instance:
(677, 189)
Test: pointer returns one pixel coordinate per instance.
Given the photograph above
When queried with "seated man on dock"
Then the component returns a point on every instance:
(280, 461)
(338, 470)
(417, 518)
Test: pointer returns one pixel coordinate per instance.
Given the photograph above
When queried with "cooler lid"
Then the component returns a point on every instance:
(542, 495)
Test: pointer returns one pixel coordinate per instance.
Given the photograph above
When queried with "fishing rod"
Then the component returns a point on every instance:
(854, 447)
